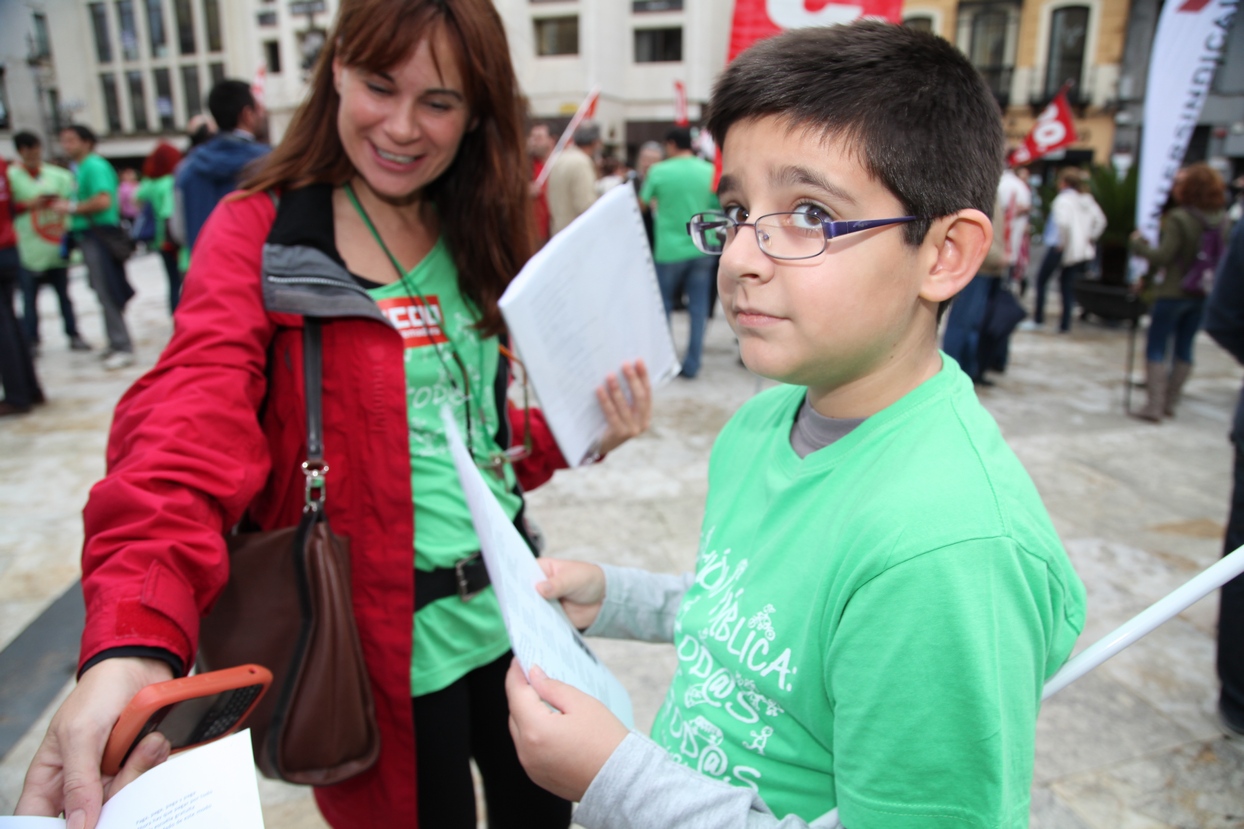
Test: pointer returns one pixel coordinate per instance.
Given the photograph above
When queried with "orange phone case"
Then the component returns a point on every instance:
(154, 697)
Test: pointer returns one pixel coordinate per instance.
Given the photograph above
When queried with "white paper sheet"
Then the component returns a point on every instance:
(540, 633)
(209, 787)
(587, 302)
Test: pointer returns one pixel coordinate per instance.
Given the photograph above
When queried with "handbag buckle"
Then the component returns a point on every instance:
(465, 592)
(316, 473)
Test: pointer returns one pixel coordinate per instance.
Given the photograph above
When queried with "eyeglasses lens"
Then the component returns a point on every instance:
(787, 236)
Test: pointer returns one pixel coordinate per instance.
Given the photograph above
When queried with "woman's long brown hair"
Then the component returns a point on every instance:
(482, 199)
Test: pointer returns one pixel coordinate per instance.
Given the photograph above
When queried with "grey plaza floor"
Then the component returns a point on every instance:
(1140, 509)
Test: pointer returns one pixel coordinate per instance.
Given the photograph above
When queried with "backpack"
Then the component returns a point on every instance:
(1199, 277)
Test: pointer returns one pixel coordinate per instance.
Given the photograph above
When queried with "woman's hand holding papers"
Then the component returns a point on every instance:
(561, 750)
(579, 585)
(627, 418)
(64, 775)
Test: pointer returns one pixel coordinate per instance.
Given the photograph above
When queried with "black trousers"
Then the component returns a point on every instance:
(470, 719)
(1231, 609)
(17, 370)
(32, 281)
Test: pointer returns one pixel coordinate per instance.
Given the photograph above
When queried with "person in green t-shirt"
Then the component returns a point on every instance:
(879, 595)
(675, 189)
(93, 212)
(40, 232)
(156, 189)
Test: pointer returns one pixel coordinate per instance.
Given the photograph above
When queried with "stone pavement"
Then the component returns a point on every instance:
(1139, 507)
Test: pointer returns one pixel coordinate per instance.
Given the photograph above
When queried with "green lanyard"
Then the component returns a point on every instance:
(497, 460)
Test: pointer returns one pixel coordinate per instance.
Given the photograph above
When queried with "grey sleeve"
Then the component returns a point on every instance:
(642, 786)
(639, 604)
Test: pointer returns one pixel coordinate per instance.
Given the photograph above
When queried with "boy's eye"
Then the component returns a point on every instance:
(735, 212)
(810, 215)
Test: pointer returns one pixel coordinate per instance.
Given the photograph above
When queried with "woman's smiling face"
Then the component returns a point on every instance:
(401, 128)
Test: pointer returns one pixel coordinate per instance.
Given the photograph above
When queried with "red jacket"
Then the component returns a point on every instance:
(217, 429)
(8, 234)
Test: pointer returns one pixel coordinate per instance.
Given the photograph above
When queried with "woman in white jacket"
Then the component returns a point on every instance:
(1080, 224)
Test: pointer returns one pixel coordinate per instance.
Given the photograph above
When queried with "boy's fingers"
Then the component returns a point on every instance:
(557, 694)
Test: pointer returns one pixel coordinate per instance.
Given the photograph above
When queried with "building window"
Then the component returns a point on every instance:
(138, 100)
(272, 56)
(185, 26)
(54, 110)
(112, 105)
(155, 28)
(310, 44)
(41, 44)
(919, 22)
(164, 98)
(642, 6)
(211, 19)
(557, 36)
(190, 88)
(1068, 37)
(988, 34)
(129, 29)
(4, 104)
(99, 23)
(267, 18)
(658, 45)
(217, 72)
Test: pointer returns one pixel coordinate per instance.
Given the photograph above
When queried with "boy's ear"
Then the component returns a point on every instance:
(959, 243)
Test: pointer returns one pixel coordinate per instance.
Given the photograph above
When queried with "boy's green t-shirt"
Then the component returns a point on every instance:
(451, 637)
(39, 231)
(681, 187)
(870, 627)
(95, 175)
(159, 193)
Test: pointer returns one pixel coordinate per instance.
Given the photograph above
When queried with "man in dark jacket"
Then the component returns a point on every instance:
(214, 169)
(1224, 320)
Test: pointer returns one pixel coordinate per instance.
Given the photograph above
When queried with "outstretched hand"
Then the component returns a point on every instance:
(64, 775)
(561, 750)
(626, 418)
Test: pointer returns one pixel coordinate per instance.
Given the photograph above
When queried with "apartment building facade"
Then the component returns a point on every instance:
(137, 70)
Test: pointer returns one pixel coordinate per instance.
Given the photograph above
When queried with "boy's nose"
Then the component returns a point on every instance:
(743, 259)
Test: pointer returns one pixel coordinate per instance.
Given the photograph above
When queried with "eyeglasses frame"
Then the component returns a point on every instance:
(832, 229)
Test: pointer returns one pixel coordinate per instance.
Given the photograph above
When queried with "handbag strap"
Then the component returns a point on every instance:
(312, 369)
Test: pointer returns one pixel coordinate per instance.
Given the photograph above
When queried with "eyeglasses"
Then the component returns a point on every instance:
(780, 235)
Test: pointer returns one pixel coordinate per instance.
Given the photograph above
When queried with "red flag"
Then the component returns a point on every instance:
(757, 19)
(680, 104)
(588, 108)
(1054, 129)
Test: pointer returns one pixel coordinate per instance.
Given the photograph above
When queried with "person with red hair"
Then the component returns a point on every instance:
(156, 189)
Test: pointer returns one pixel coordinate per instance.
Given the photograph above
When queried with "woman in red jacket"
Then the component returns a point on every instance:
(395, 210)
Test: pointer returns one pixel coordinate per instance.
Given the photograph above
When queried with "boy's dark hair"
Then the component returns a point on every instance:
(680, 137)
(24, 140)
(82, 131)
(920, 118)
(226, 102)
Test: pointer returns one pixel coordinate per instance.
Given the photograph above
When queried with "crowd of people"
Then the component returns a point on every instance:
(848, 215)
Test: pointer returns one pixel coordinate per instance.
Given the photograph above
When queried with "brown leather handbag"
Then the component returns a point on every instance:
(287, 606)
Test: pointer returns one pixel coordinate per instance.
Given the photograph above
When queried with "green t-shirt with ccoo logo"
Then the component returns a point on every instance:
(451, 637)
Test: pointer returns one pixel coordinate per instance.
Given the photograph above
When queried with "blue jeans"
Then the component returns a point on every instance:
(1049, 263)
(696, 276)
(1066, 285)
(963, 326)
(1180, 318)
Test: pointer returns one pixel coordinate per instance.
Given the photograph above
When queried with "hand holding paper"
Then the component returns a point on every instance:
(540, 632)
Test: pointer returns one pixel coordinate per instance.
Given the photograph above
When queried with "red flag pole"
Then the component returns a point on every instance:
(586, 110)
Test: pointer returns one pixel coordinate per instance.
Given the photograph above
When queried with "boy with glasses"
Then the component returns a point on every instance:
(879, 594)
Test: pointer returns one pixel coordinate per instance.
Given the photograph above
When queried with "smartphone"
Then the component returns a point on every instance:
(189, 711)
